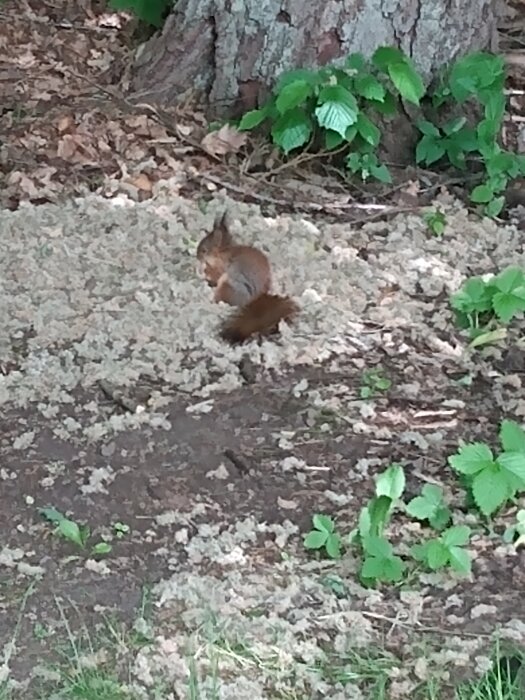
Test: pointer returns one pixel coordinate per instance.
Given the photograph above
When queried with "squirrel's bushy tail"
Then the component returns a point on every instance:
(261, 316)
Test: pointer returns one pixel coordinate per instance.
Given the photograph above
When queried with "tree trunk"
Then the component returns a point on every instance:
(228, 52)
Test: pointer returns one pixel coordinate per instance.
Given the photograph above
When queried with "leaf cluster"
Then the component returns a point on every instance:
(493, 480)
(480, 301)
(335, 106)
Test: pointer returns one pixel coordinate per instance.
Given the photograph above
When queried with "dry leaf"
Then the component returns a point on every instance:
(65, 123)
(227, 140)
(141, 182)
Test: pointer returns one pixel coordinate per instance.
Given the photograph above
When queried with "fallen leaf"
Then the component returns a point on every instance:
(227, 140)
(141, 182)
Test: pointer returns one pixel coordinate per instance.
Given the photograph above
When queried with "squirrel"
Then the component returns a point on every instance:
(241, 276)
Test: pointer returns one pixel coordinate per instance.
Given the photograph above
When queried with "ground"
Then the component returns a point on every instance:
(202, 465)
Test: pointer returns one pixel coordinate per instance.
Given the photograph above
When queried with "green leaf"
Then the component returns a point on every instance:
(368, 130)
(377, 547)
(509, 279)
(350, 134)
(333, 547)
(293, 95)
(428, 128)
(387, 106)
(456, 536)
(490, 489)
(364, 523)
(252, 119)
(372, 568)
(424, 506)
(381, 173)
(315, 539)
(391, 482)
(512, 436)
(460, 560)
(474, 73)
(292, 130)
(455, 153)
(436, 555)
(419, 551)
(428, 150)
(369, 87)
(146, 10)
(420, 508)
(378, 512)
(324, 523)
(495, 206)
(337, 109)
(393, 569)
(101, 548)
(332, 139)
(472, 458)
(356, 61)
(489, 338)
(481, 194)
(495, 107)
(407, 81)
(51, 514)
(301, 74)
(440, 518)
(385, 56)
(506, 306)
(71, 531)
(513, 462)
(454, 125)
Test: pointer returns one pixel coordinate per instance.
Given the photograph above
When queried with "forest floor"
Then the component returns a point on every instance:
(198, 467)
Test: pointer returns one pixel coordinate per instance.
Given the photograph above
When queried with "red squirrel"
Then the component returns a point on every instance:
(242, 277)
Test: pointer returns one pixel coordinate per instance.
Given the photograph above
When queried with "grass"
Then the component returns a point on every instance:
(97, 666)
(505, 681)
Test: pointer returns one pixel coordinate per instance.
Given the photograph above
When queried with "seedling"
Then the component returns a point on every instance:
(120, 530)
(324, 536)
(380, 563)
(516, 533)
(436, 221)
(446, 550)
(374, 383)
(478, 302)
(430, 507)
(492, 481)
(76, 533)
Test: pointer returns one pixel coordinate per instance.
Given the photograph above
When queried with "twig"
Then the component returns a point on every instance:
(424, 628)
(380, 209)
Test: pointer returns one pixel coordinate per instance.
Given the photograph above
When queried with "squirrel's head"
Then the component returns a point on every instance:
(218, 239)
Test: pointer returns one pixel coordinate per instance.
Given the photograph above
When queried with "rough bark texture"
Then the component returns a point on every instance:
(229, 51)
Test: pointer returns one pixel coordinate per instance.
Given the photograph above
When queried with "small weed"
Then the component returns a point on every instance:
(73, 532)
(493, 481)
(373, 383)
(324, 537)
(446, 550)
(368, 670)
(436, 221)
(479, 302)
(430, 507)
(380, 563)
(516, 533)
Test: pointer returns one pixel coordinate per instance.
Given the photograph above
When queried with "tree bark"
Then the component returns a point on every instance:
(229, 52)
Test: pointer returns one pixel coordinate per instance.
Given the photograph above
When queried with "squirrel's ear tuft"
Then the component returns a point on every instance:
(221, 229)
